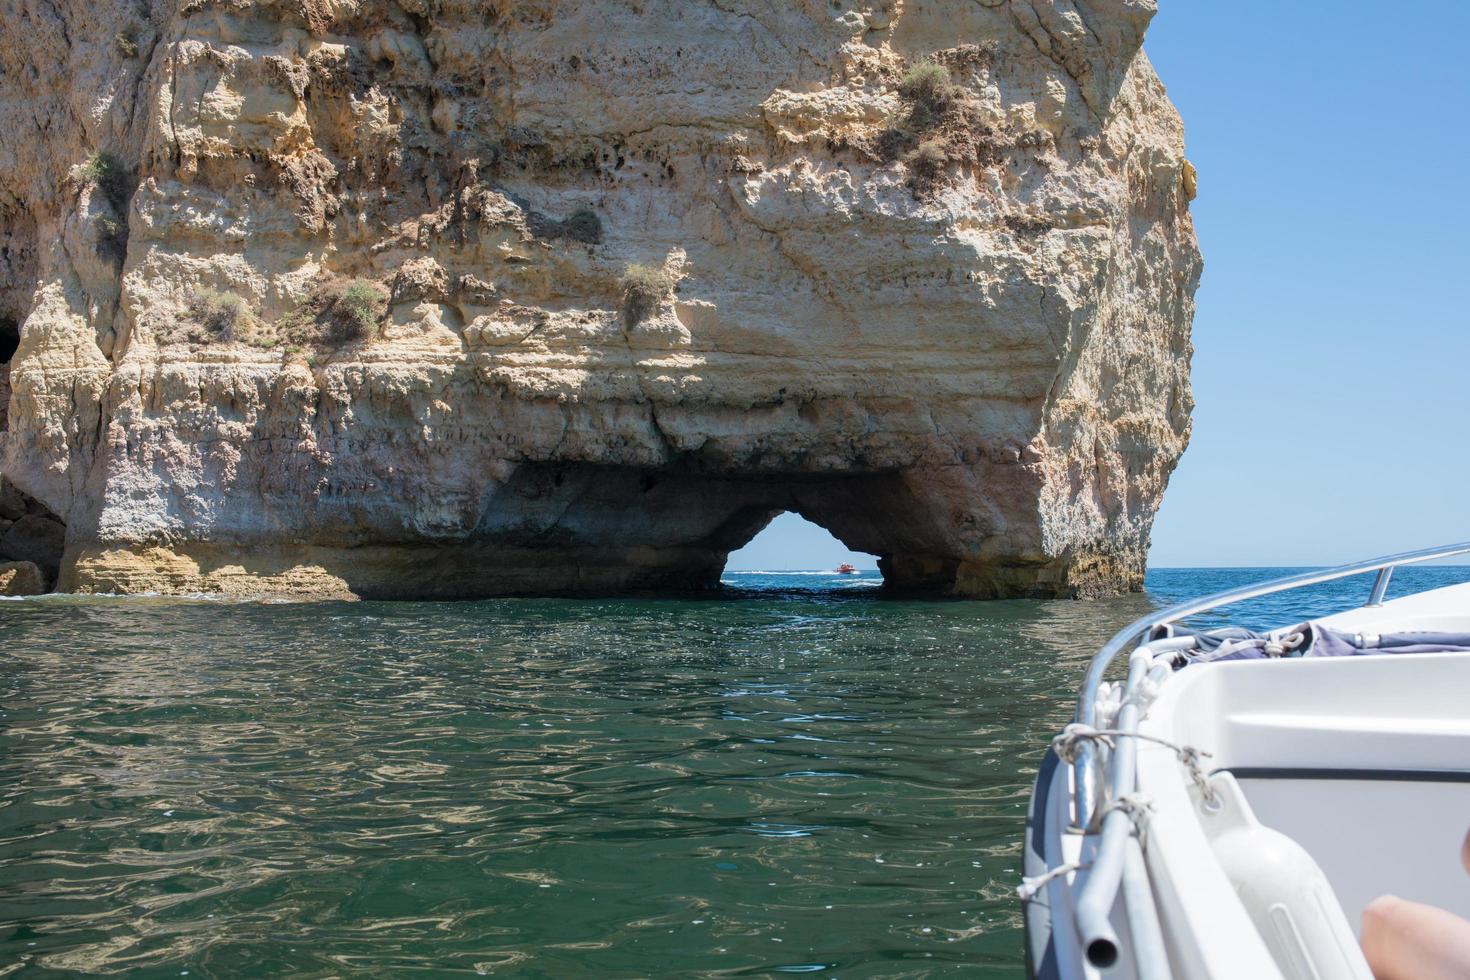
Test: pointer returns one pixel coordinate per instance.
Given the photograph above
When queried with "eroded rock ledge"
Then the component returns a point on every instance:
(456, 299)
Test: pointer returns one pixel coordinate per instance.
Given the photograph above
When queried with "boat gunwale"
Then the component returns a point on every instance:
(1085, 812)
(1084, 796)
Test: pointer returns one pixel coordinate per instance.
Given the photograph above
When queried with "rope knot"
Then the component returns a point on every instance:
(1138, 806)
(1066, 744)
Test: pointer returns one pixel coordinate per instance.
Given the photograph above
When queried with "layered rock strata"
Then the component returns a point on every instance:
(450, 299)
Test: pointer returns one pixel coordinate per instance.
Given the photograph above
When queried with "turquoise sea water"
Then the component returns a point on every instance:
(796, 777)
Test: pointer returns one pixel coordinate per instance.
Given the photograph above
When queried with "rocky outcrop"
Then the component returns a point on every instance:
(21, 579)
(450, 298)
(37, 539)
(29, 533)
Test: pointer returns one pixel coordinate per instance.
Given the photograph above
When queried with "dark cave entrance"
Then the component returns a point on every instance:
(29, 532)
(579, 528)
(9, 339)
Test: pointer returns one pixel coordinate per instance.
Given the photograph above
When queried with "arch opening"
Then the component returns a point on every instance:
(792, 543)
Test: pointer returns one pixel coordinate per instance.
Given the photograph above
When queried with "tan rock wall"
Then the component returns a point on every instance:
(978, 371)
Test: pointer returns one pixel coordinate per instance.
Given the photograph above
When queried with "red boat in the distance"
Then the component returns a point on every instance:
(846, 569)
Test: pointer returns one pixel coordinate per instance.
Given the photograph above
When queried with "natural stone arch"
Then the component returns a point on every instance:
(939, 533)
(578, 529)
(976, 370)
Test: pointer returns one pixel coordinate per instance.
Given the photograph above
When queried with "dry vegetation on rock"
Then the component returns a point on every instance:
(644, 288)
(337, 311)
(224, 317)
(583, 225)
(941, 126)
(929, 91)
(927, 163)
(109, 179)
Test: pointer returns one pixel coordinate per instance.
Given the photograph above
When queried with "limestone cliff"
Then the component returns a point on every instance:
(444, 298)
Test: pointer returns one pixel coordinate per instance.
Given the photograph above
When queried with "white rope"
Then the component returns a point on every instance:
(1029, 887)
(1066, 744)
(1138, 806)
(1144, 693)
(1109, 703)
(1280, 644)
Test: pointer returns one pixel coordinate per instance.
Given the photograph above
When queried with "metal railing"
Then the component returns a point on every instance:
(1100, 891)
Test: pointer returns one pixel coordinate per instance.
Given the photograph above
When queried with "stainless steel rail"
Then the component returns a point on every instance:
(1087, 697)
(1096, 898)
(1101, 890)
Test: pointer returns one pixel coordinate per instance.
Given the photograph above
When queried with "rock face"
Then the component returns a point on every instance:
(36, 539)
(30, 534)
(21, 579)
(334, 297)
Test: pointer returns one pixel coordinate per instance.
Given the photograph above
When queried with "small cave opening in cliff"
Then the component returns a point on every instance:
(793, 552)
(29, 532)
(9, 339)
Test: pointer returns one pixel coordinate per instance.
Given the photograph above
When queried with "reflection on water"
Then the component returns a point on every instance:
(800, 780)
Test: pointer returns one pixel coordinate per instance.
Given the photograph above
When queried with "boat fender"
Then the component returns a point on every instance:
(1283, 890)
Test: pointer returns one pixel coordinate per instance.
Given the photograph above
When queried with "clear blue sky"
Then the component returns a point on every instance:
(1332, 342)
(791, 542)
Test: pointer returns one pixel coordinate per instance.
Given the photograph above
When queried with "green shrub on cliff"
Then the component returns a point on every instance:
(938, 126)
(112, 238)
(928, 89)
(583, 225)
(338, 311)
(644, 288)
(356, 312)
(105, 172)
(225, 316)
(106, 175)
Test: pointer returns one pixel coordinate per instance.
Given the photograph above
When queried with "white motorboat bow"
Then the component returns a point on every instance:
(1229, 808)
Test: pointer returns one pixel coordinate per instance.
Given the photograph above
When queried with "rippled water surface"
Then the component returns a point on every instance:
(800, 777)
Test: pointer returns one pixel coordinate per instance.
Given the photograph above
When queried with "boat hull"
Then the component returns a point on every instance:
(1263, 801)
(1041, 960)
